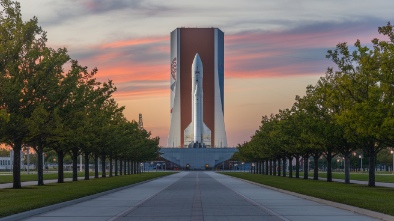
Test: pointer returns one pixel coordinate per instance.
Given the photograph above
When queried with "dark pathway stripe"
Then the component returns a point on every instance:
(197, 211)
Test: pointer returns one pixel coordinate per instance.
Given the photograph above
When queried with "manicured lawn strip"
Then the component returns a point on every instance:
(380, 199)
(33, 177)
(14, 201)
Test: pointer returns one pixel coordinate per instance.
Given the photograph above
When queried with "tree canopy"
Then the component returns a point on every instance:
(46, 106)
(349, 109)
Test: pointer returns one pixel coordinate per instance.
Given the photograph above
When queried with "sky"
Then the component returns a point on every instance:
(273, 49)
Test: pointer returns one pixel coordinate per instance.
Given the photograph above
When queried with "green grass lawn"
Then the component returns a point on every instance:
(380, 199)
(33, 177)
(14, 201)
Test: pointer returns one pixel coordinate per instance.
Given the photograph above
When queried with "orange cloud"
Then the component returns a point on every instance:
(133, 42)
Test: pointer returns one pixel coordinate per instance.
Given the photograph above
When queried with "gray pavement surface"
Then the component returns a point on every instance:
(390, 185)
(34, 183)
(198, 196)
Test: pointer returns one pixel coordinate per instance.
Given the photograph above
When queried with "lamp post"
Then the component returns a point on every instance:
(361, 164)
(243, 165)
(338, 164)
(54, 162)
(28, 160)
(343, 163)
(392, 152)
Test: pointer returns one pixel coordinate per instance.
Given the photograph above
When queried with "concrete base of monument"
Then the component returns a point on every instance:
(197, 158)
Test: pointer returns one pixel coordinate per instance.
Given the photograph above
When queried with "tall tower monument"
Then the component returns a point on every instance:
(197, 116)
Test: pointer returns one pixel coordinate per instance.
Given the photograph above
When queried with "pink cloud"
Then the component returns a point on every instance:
(137, 41)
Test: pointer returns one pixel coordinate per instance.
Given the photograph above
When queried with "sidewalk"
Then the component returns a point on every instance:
(197, 195)
(34, 183)
(389, 185)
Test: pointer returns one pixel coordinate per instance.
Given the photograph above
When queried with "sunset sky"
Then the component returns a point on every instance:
(273, 49)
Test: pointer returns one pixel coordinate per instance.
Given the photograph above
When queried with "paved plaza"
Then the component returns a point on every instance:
(197, 196)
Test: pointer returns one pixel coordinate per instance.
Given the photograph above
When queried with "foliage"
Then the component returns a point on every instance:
(349, 109)
(45, 107)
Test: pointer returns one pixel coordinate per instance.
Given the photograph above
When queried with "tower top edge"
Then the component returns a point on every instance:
(189, 28)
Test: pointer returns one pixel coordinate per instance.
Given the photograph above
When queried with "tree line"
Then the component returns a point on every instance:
(349, 109)
(48, 101)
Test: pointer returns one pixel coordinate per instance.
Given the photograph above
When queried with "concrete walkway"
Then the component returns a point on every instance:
(390, 185)
(34, 183)
(195, 196)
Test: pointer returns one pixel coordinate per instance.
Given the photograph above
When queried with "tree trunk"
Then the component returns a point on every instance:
(121, 167)
(125, 167)
(261, 167)
(371, 167)
(103, 169)
(116, 166)
(316, 166)
(40, 165)
(297, 166)
(279, 168)
(254, 168)
(274, 169)
(290, 158)
(16, 165)
(266, 167)
(60, 166)
(305, 158)
(347, 166)
(96, 173)
(329, 165)
(136, 166)
(284, 166)
(271, 167)
(110, 165)
(87, 173)
(74, 157)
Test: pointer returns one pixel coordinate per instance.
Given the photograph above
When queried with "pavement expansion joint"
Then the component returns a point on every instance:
(197, 210)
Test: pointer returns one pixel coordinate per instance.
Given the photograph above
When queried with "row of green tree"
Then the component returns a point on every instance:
(50, 101)
(349, 109)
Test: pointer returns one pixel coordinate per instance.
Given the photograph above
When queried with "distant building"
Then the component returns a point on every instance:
(5, 163)
(186, 43)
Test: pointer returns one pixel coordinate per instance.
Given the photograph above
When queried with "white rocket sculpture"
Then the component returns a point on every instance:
(199, 131)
